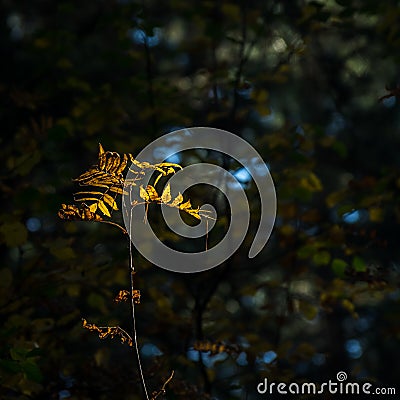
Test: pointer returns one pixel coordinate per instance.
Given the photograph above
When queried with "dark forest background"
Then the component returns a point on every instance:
(301, 81)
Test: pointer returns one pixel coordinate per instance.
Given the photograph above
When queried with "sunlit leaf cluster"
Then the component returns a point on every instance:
(124, 295)
(107, 180)
(109, 332)
(150, 195)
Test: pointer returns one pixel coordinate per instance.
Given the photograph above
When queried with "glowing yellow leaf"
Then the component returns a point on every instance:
(117, 190)
(143, 194)
(122, 165)
(101, 150)
(178, 200)
(152, 192)
(157, 179)
(166, 195)
(170, 170)
(102, 157)
(167, 164)
(110, 201)
(185, 205)
(109, 164)
(103, 208)
(195, 214)
(93, 207)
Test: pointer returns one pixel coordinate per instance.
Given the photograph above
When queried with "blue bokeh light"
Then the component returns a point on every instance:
(150, 350)
(175, 159)
(207, 358)
(193, 355)
(353, 348)
(269, 356)
(351, 217)
(242, 359)
(139, 36)
(33, 224)
(242, 175)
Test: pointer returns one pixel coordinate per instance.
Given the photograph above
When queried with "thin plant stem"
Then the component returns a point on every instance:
(116, 225)
(134, 330)
(206, 234)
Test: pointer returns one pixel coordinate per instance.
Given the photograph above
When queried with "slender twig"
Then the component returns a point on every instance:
(168, 380)
(116, 225)
(206, 234)
(134, 330)
(162, 390)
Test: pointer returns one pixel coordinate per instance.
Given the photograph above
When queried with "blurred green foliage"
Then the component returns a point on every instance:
(300, 81)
